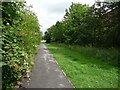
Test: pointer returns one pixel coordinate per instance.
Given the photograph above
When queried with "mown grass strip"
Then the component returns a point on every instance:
(84, 71)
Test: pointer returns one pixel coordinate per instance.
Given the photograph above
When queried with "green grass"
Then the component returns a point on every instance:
(85, 69)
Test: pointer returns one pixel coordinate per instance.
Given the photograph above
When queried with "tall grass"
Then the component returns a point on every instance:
(87, 67)
(109, 55)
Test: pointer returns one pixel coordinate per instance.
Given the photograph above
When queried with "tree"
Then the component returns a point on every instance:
(97, 25)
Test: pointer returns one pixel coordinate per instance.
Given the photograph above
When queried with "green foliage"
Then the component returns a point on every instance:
(97, 25)
(20, 39)
(108, 14)
(56, 33)
(47, 37)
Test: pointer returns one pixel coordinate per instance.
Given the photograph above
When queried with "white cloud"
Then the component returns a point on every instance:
(51, 11)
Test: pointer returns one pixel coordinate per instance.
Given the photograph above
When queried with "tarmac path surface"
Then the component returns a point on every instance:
(46, 73)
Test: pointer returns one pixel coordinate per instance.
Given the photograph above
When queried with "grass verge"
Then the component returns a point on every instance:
(87, 67)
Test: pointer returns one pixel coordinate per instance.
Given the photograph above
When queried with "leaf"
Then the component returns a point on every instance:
(2, 64)
(15, 40)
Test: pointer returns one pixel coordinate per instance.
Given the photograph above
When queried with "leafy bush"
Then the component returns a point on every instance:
(20, 39)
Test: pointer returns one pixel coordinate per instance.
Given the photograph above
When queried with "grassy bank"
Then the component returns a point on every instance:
(87, 67)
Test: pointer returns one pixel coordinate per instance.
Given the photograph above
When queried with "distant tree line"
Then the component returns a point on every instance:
(97, 25)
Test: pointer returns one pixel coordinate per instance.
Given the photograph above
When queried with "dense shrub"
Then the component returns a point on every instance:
(20, 39)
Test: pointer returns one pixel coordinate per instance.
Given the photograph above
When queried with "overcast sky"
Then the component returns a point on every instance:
(51, 11)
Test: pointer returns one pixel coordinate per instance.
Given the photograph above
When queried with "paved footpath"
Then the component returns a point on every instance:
(46, 72)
